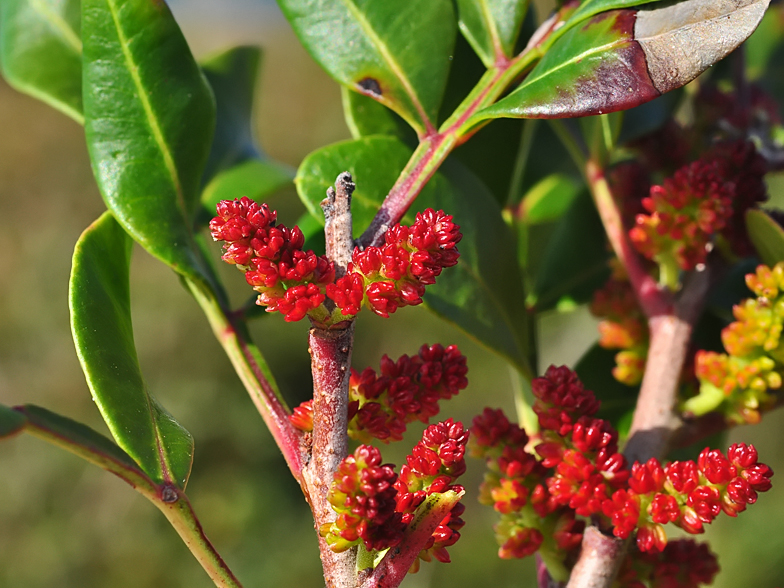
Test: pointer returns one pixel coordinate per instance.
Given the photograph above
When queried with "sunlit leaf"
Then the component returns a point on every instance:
(41, 51)
(483, 294)
(492, 26)
(149, 117)
(395, 51)
(100, 302)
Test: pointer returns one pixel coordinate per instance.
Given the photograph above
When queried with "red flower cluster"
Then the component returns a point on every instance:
(296, 282)
(740, 379)
(686, 493)
(684, 213)
(395, 274)
(624, 327)
(375, 505)
(409, 389)
(684, 563)
(575, 469)
(287, 278)
(363, 495)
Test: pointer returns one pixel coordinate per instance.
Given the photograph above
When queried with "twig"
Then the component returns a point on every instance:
(330, 352)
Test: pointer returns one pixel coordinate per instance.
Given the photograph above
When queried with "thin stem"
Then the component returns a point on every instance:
(653, 300)
(178, 510)
(434, 148)
(249, 364)
(521, 161)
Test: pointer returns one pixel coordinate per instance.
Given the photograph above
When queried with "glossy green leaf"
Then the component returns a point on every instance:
(395, 51)
(589, 8)
(149, 117)
(483, 294)
(11, 422)
(255, 178)
(492, 26)
(767, 236)
(232, 75)
(364, 116)
(623, 58)
(549, 199)
(575, 261)
(41, 51)
(84, 442)
(99, 300)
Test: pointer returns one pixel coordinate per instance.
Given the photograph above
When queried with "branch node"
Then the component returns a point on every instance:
(337, 227)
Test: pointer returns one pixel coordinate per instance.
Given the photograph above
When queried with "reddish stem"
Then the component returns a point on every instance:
(653, 300)
(599, 561)
(330, 352)
(671, 322)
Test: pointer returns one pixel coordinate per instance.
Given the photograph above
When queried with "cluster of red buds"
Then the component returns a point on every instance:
(573, 469)
(288, 279)
(683, 215)
(738, 381)
(623, 327)
(382, 405)
(684, 563)
(395, 274)
(296, 282)
(701, 201)
(376, 506)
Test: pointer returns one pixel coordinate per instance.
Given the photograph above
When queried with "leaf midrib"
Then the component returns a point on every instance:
(152, 121)
(59, 24)
(386, 55)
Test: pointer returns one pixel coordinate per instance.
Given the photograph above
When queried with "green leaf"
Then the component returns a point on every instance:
(589, 8)
(99, 299)
(483, 294)
(11, 422)
(254, 178)
(395, 51)
(549, 199)
(149, 117)
(575, 261)
(41, 51)
(364, 116)
(766, 235)
(232, 76)
(763, 44)
(492, 26)
(623, 58)
(86, 443)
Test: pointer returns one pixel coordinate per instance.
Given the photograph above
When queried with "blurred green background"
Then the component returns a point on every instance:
(67, 524)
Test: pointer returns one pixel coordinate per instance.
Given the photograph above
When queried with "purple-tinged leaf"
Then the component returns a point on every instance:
(623, 58)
